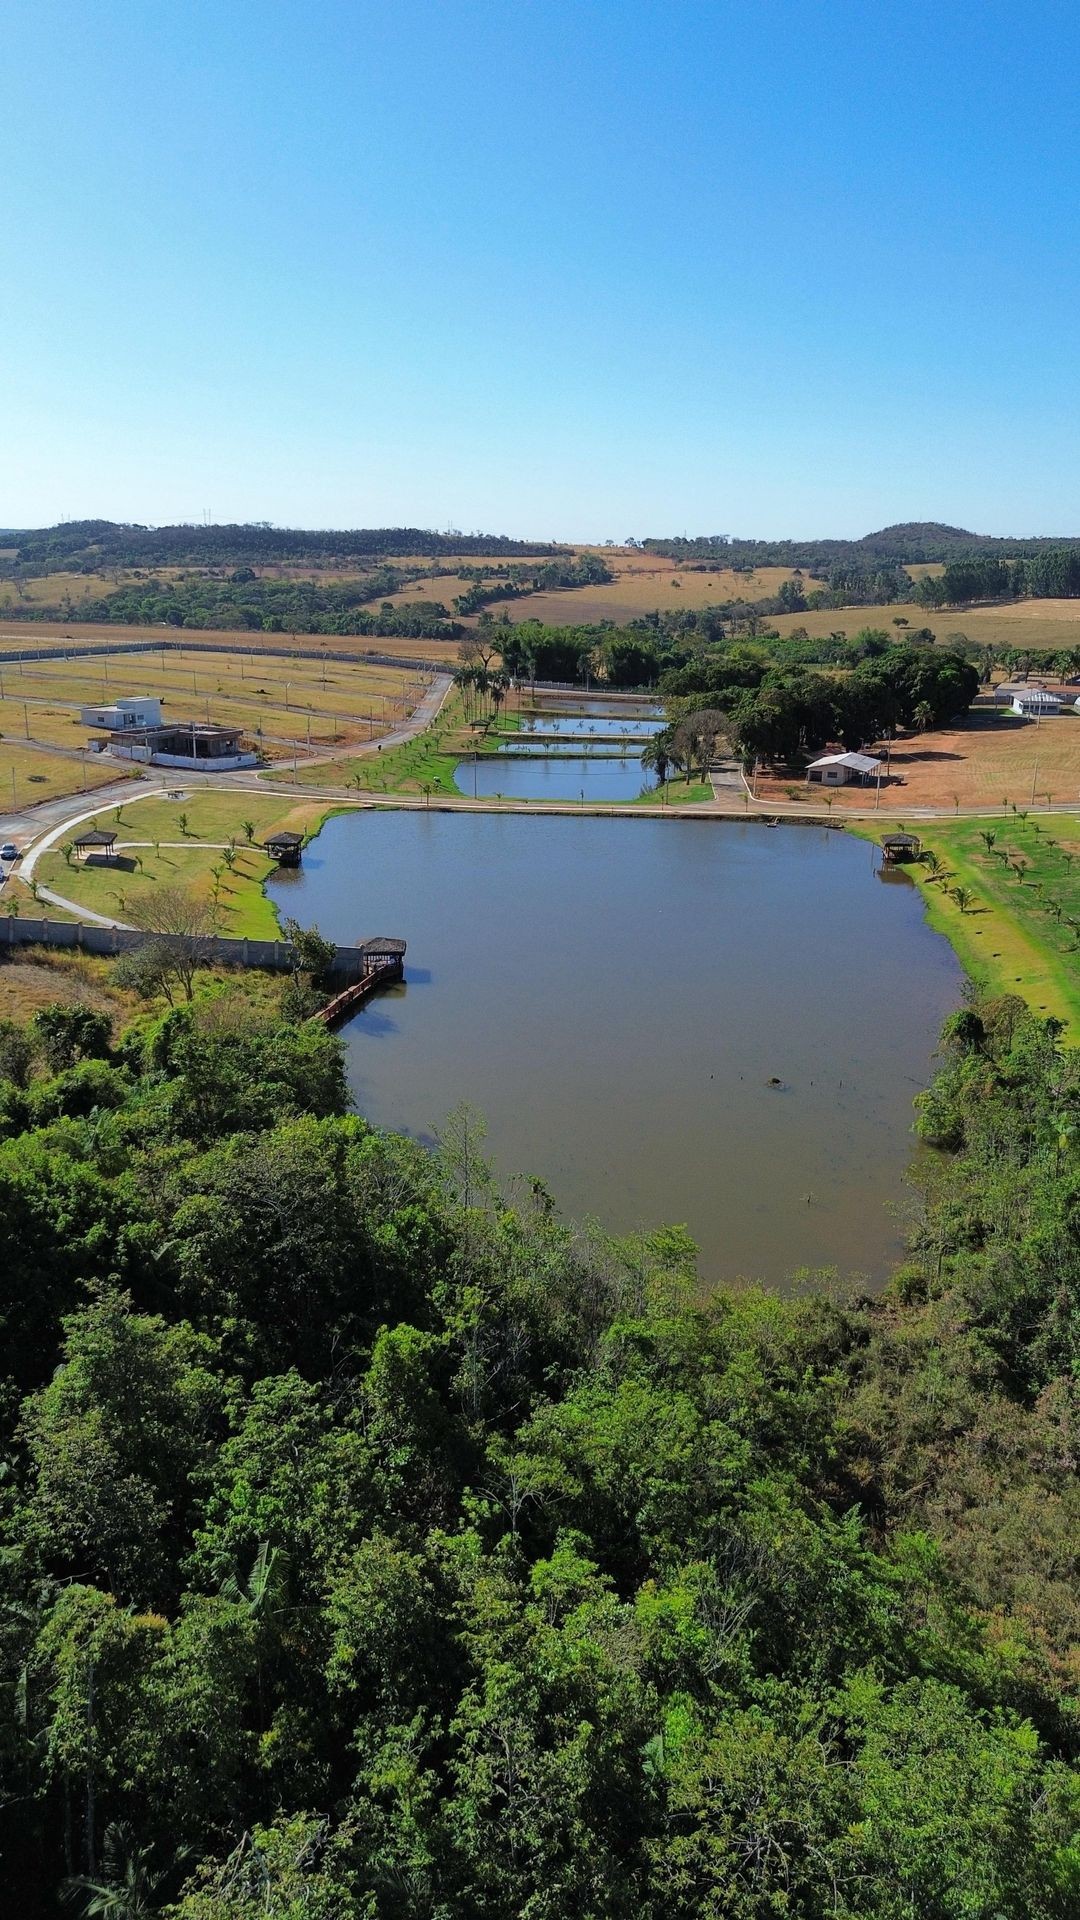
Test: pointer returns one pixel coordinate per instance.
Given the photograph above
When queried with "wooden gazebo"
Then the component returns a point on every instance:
(899, 846)
(97, 841)
(383, 953)
(285, 848)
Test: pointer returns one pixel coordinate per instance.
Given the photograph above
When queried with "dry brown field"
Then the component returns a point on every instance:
(1026, 623)
(28, 774)
(59, 634)
(991, 760)
(639, 589)
(334, 703)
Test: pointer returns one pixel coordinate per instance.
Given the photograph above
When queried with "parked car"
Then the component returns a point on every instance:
(9, 851)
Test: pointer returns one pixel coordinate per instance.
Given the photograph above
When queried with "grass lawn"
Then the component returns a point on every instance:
(148, 857)
(675, 793)
(1009, 938)
(427, 761)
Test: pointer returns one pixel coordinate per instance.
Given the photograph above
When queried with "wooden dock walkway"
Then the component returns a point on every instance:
(383, 966)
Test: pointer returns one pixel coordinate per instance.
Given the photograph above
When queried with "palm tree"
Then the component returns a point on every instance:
(989, 838)
(130, 1887)
(962, 896)
(655, 758)
(248, 829)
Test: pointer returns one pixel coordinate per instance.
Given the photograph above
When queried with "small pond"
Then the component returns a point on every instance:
(695, 1022)
(553, 776)
(592, 725)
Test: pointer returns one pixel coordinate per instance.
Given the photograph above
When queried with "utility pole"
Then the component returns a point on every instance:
(1034, 778)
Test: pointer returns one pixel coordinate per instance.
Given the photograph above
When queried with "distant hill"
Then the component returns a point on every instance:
(914, 542)
(84, 545)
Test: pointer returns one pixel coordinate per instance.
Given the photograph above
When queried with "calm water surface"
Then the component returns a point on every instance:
(553, 776)
(616, 996)
(573, 724)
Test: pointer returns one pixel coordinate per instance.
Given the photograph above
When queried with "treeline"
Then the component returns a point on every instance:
(914, 542)
(375, 1545)
(1050, 575)
(245, 603)
(90, 544)
(780, 713)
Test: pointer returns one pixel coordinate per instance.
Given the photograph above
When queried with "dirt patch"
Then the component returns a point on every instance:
(991, 759)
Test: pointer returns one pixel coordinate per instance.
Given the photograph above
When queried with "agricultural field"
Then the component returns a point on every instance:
(641, 588)
(184, 843)
(1006, 892)
(1023, 623)
(988, 762)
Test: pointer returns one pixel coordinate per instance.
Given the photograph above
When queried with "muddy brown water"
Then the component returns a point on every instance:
(669, 1021)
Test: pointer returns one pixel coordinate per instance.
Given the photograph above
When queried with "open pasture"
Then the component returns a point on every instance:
(1023, 623)
(637, 590)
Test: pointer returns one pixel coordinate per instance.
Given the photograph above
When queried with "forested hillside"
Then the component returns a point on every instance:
(376, 1544)
(96, 543)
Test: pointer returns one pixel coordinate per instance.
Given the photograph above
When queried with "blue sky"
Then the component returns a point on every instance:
(563, 270)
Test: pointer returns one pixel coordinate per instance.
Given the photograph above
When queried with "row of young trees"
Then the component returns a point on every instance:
(375, 1545)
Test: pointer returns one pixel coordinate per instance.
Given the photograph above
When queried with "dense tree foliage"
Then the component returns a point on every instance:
(778, 711)
(372, 1546)
(243, 602)
(96, 543)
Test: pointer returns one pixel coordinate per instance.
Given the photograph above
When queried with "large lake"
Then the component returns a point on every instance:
(618, 995)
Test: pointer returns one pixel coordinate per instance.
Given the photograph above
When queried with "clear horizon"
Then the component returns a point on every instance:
(577, 272)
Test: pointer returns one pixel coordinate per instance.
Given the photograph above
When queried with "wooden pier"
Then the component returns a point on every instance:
(383, 966)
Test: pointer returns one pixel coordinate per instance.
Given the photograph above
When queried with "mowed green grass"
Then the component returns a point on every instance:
(1010, 939)
(159, 851)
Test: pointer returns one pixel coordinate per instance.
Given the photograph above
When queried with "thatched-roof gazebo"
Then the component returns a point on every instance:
(97, 841)
(899, 846)
(285, 848)
(383, 953)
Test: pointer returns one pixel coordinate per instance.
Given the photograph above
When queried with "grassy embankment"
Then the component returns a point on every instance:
(1016, 932)
(422, 765)
(154, 849)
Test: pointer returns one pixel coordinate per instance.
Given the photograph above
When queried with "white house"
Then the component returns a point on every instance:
(1036, 703)
(141, 712)
(838, 769)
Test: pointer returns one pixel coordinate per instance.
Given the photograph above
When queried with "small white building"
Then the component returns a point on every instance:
(841, 769)
(1036, 703)
(122, 714)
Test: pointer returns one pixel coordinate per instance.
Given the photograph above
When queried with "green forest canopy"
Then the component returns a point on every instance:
(373, 1545)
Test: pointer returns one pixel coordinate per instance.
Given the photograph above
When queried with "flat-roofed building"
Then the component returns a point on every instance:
(186, 743)
(120, 716)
